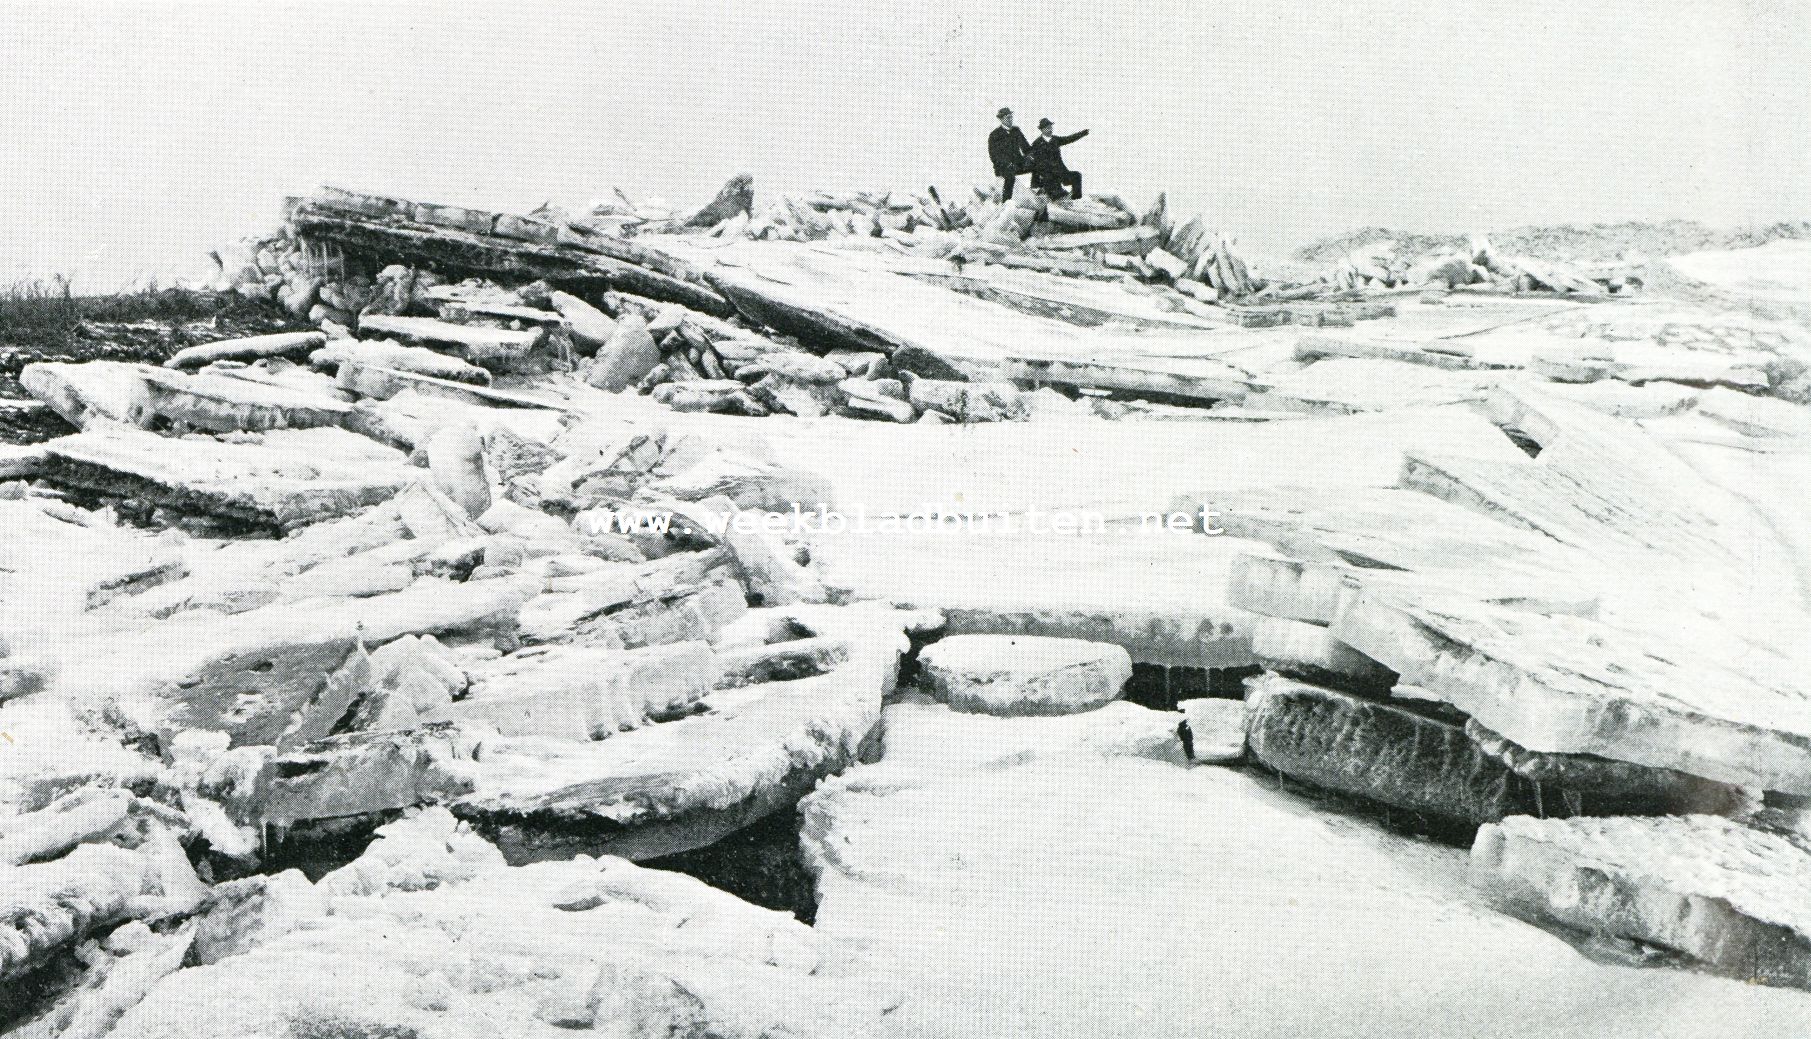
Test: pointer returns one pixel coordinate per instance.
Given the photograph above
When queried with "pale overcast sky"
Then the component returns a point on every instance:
(137, 135)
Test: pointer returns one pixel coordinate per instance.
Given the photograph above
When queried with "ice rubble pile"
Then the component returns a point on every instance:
(1525, 571)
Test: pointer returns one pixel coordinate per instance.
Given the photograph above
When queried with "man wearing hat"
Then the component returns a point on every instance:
(1048, 171)
(1007, 148)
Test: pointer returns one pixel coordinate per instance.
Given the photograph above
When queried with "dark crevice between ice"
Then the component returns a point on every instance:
(762, 864)
(1528, 444)
(32, 994)
(1161, 688)
(317, 847)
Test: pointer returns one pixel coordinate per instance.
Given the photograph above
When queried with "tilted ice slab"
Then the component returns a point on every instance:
(1604, 598)
(871, 302)
(678, 785)
(1188, 902)
(104, 391)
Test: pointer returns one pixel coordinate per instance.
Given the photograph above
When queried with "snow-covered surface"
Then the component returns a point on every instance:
(1365, 384)
(1065, 877)
(1118, 468)
(1778, 272)
(429, 934)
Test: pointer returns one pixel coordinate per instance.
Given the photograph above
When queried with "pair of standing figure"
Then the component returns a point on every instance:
(1043, 158)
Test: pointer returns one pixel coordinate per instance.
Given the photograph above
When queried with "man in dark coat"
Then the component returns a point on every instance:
(1048, 170)
(1007, 148)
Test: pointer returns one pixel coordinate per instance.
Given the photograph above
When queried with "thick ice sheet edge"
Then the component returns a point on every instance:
(1727, 896)
(1576, 603)
(1569, 685)
(1544, 673)
(283, 478)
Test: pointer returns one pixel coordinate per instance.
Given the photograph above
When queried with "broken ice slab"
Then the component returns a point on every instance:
(673, 786)
(1024, 674)
(1767, 417)
(782, 307)
(1317, 592)
(88, 814)
(220, 404)
(1309, 652)
(47, 907)
(250, 348)
(419, 532)
(586, 692)
(385, 354)
(867, 305)
(1195, 378)
(1573, 685)
(688, 613)
(683, 596)
(1380, 752)
(245, 913)
(1133, 241)
(282, 478)
(1730, 897)
(1600, 484)
(495, 349)
(785, 661)
(82, 392)
(1161, 597)
(1088, 214)
(381, 383)
(408, 680)
(575, 257)
(1350, 384)
(1601, 510)
(130, 960)
(1456, 355)
(1571, 361)
(744, 753)
(1386, 532)
(364, 773)
(20, 463)
(1599, 786)
(256, 674)
(1069, 302)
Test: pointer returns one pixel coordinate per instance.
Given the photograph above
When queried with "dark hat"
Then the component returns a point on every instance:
(1044, 122)
(1002, 113)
